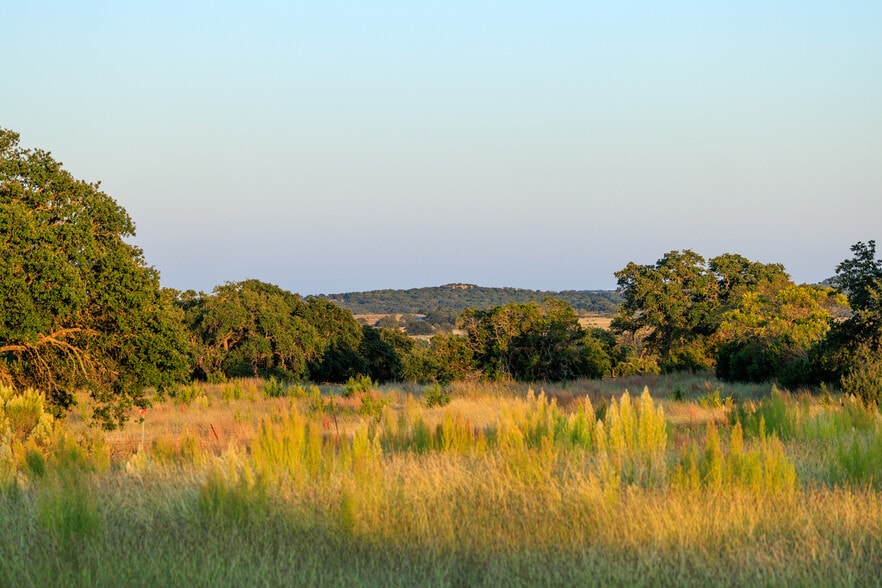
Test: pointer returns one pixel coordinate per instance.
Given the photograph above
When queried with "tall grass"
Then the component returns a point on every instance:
(517, 488)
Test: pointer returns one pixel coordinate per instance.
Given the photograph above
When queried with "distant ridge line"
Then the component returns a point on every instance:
(458, 296)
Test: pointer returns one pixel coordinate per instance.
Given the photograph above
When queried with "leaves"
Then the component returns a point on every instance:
(533, 342)
(79, 307)
(675, 308)
(252, 328)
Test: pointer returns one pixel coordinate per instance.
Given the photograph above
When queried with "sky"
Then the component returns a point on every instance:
(333, 146)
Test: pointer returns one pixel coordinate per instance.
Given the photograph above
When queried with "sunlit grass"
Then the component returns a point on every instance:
(530, 484)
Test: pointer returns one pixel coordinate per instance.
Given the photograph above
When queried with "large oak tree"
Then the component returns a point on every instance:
(252, 328)
(79, 307)
(674, 308)
(532, 342)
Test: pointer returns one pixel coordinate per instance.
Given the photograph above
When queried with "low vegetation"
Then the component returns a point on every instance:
(479, 484)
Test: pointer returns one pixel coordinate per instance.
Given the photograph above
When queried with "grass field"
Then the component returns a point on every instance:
(595, 322)
(681, 481)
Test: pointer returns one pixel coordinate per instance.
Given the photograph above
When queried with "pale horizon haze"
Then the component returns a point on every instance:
(341, 146)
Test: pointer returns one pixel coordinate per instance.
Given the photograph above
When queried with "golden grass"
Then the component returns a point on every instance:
(595, 322)
(508, 484)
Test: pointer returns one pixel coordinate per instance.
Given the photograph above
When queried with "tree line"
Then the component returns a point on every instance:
(750, 322)
(455, 298)
(81, 310)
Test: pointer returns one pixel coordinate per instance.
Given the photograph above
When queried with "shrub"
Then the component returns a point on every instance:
(273, 388)
(771, 415)
(749, 361)
(372, 407)
(216, 377)
(711, 400)
(317, 402)
(25, 415)
(864, 379)
(298, 391)
(360, 384)
(185, 394)
(678, 393)
(26, 431)
(435, 396)
(231, 391)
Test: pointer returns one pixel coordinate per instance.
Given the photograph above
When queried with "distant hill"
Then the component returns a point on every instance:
(457, 297)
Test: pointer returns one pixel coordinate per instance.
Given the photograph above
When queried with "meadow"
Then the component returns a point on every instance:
(671, 480)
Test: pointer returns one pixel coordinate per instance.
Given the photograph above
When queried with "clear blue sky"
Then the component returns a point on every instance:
(339, 146)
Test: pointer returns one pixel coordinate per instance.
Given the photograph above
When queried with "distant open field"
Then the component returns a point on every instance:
(682, 481)
(587, 322)
(372, 318)
(595, 322)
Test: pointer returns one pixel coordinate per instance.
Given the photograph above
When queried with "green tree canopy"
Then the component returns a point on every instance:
(450, 359)
(768, 337)
(529, 341)
(859, 337)
(383, 350)
(252, 328)
(79, 307)
(675, 306)
(339, 337)
(860, 279)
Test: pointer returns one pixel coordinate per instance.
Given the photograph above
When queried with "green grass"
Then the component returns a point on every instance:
(564, 487)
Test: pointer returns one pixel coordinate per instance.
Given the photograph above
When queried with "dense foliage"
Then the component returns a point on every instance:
(533, 342)
(851, 351)
(252, 328)
(459, 297)
(752, 323)
(768, 337)
(255, 329)
(674, 308)
(79, 307)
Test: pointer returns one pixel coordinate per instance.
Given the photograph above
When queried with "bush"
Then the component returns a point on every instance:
(864, 379)
(216, 377)
(317, 403)
(714, 400)
(772, 416)
(750, 361)
(362, 384)
(25, 415)
(185, 394)
(416, 326)
(371, 407)
(435, 396)
(273, 388)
